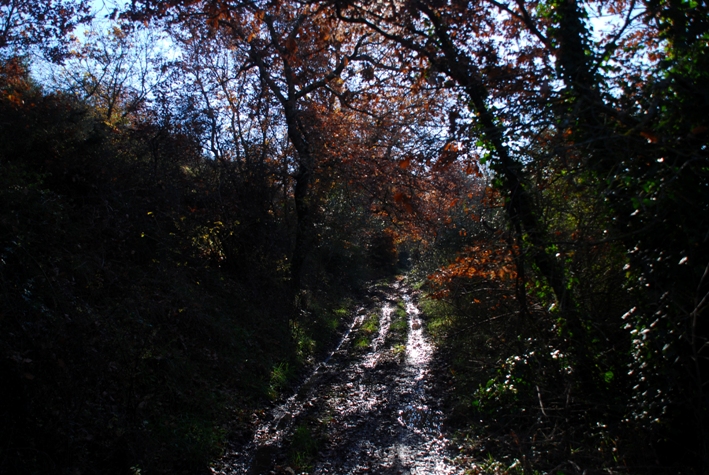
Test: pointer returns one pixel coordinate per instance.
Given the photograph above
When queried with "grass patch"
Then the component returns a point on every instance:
(304, 447)
(371, 325)
(305, 344)
(398, 329)
(399, 325)
(362, 342)
(342, 312)
(320, 326)
(366, 332)
(400, 311)
(440, 318)
(281, 374)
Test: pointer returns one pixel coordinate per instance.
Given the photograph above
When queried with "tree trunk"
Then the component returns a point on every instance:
(301, 194)
(520, 207)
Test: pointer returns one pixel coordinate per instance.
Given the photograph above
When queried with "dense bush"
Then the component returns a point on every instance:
(144, 314)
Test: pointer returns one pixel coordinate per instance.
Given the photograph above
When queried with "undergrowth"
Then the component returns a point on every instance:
(514, 407)
(129, 342)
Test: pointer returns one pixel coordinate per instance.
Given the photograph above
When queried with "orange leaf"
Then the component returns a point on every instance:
(652, 138)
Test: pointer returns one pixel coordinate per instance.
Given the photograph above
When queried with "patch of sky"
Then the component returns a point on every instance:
(141, 50)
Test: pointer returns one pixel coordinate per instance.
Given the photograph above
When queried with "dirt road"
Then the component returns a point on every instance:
(371, 407)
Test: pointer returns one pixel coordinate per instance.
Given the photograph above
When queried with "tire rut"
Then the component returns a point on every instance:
(362, 411)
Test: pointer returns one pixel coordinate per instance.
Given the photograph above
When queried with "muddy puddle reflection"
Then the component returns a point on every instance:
(375, 408)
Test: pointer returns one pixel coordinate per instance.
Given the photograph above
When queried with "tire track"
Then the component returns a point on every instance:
(375, 412)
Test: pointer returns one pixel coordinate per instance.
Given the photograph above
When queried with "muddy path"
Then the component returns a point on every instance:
(371, 407)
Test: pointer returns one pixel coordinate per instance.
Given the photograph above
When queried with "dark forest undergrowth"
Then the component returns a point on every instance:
(514, 402)
(139, 332)
(183, 236)
(125, 346)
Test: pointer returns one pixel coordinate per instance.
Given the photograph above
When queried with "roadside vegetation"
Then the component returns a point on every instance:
(131, 342)
(195, 194)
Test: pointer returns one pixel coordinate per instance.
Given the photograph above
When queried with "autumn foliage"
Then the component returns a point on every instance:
(191, 183)
(492, 264)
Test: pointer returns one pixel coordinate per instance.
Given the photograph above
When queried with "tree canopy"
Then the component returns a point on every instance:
(538, 163)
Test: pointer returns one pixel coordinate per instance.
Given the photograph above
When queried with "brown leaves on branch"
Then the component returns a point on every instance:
(485, 261)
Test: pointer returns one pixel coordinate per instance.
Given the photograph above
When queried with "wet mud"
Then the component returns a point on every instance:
(372, 407)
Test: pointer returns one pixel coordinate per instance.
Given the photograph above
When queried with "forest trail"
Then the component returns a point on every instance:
(371, 407)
